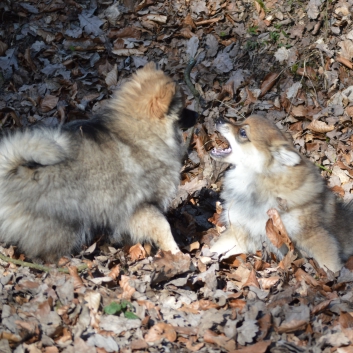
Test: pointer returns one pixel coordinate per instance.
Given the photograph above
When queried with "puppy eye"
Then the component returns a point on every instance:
(242, 133)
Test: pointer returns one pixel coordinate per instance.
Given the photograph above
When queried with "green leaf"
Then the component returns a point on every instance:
(130, 315)
(112, 308)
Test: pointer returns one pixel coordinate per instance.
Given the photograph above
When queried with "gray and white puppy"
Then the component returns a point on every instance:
(267, 169)
(117, 171)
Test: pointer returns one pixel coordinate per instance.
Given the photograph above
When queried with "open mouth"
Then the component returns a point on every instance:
(217, 152)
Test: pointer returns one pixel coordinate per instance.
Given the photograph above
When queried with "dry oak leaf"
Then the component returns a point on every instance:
(137, 252)
(188, 343)
(48, 103)
(259, 347)
(346, 49)
(320, 307)
(302, 275)
(159, 331)
(346, 320)
(112, 77)
(344, 61)
(308, 72)
(168, 265)
(127, 52)
(287, 260)
(139, 344)
(349, 111)
(276, 231)
(93, 300)
(252, 280)
(126, 32)
(269, 282)
(114, 272)
(220, 340)
(268, 82)
(78, 283)
(320, 126)
(128, 290)
(265, 323)
(189, 21)
(155, 18)
(296, 318)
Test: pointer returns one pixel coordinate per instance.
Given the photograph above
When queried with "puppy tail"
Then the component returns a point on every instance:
(32, 149)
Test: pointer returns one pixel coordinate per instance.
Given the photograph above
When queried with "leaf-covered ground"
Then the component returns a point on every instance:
(288, 60)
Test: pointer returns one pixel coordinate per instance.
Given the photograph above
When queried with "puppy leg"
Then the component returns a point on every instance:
(231, 242)
(323, 249)
(149, 223)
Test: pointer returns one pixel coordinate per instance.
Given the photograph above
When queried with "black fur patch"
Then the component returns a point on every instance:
(95, 129)
(177, 103)
(32, 165)
(187, 118)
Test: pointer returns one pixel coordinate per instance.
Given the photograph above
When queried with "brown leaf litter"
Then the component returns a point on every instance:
(290, 61)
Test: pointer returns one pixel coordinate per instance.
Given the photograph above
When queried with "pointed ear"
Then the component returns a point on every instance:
(285, 155)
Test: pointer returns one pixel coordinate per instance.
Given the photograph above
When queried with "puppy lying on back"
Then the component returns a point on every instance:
(116, 172)
(266, 170)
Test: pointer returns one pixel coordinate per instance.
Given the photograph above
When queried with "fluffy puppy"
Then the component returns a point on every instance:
(116, 172)
(268, 172)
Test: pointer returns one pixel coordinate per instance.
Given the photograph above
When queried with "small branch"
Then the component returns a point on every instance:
(187, 79)
(38, 266)
(323, 168)
(206, 22)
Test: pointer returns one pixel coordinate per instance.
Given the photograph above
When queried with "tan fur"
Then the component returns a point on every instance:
(115, 173)
(268, 172)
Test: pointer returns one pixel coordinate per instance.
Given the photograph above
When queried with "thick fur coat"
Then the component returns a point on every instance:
(268, 173)
(116, 172)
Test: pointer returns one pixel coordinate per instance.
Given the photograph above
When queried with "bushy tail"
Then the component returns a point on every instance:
(32, 148)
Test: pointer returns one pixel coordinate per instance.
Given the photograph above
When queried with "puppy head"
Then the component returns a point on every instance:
(149, 94)
(255, 144)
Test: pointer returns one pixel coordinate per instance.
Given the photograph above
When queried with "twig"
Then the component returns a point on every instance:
(187, 79)
(38, 266)
(206, 22)
(323, 168)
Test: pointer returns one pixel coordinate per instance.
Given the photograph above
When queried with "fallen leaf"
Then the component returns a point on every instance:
(320, 126)
(137, 252)
(220, 340)
(276, 231)
(345, 320)
(258, 347)
(78, 283)
(159, 331)
(114, 272)
(48, 103)
(139, 344)
(127, 52)
(268, 82)
(128, 290)
(269, 282)
(252, 280)
(168, 265)
(112, 77)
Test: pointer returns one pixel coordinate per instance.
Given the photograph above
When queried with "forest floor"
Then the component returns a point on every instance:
(289, 60)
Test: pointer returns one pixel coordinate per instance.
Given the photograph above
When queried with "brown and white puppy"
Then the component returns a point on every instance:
(116, 172)
(267, 169)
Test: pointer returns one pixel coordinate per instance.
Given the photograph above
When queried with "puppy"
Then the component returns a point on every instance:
(266, 171)
(116, 172)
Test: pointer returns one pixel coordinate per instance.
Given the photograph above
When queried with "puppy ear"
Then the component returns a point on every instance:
(150, 66)
(285, 155)
(158, 104)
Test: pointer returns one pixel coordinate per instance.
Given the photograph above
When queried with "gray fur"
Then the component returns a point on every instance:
(118, 172)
